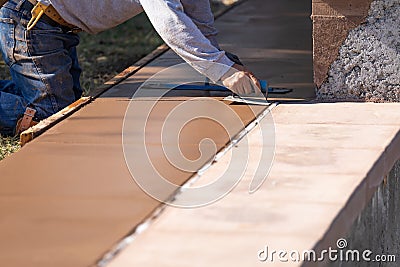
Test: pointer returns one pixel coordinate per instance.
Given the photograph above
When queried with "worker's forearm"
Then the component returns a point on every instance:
(179, 32)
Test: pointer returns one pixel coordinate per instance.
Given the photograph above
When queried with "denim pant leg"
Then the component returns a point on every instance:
(43, 65)
(75, 73)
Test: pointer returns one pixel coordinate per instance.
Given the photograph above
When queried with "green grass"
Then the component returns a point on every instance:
(103, 56)
(8, 145)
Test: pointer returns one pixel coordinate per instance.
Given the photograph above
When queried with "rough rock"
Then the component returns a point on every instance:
(368, 65)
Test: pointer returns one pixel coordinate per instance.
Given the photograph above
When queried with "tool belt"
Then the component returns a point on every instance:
(47, 14)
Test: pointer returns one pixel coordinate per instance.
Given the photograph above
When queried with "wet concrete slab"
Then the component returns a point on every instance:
(68, 196)
(74, 183)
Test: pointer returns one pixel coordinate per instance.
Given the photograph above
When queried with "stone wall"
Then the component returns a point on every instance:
(357, 50)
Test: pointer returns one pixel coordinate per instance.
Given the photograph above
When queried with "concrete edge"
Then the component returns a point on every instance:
(29, 134)
(360, 198)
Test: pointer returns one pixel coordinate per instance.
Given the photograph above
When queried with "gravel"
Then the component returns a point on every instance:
(368, 65)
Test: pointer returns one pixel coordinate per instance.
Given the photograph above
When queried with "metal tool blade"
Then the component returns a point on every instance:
(248, 100)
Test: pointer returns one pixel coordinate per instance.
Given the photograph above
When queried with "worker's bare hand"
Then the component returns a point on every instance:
(241, 81)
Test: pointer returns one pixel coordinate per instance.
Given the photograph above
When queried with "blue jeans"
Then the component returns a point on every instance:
(43, 65)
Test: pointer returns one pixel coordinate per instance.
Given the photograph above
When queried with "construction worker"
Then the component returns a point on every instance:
(39, 38)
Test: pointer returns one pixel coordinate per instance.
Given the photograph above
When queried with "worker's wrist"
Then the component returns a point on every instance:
(233, 58)
(219, 68)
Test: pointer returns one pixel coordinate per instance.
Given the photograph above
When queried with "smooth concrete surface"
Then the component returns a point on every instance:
(329, 161)
(68, 197)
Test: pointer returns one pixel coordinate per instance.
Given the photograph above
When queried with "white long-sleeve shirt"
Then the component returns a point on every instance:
(186, 26)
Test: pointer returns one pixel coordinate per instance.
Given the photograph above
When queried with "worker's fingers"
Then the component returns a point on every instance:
(234, 82)
(241, 83)
(256, 82)
(253, 86)
(249, 84)
(249, 74)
